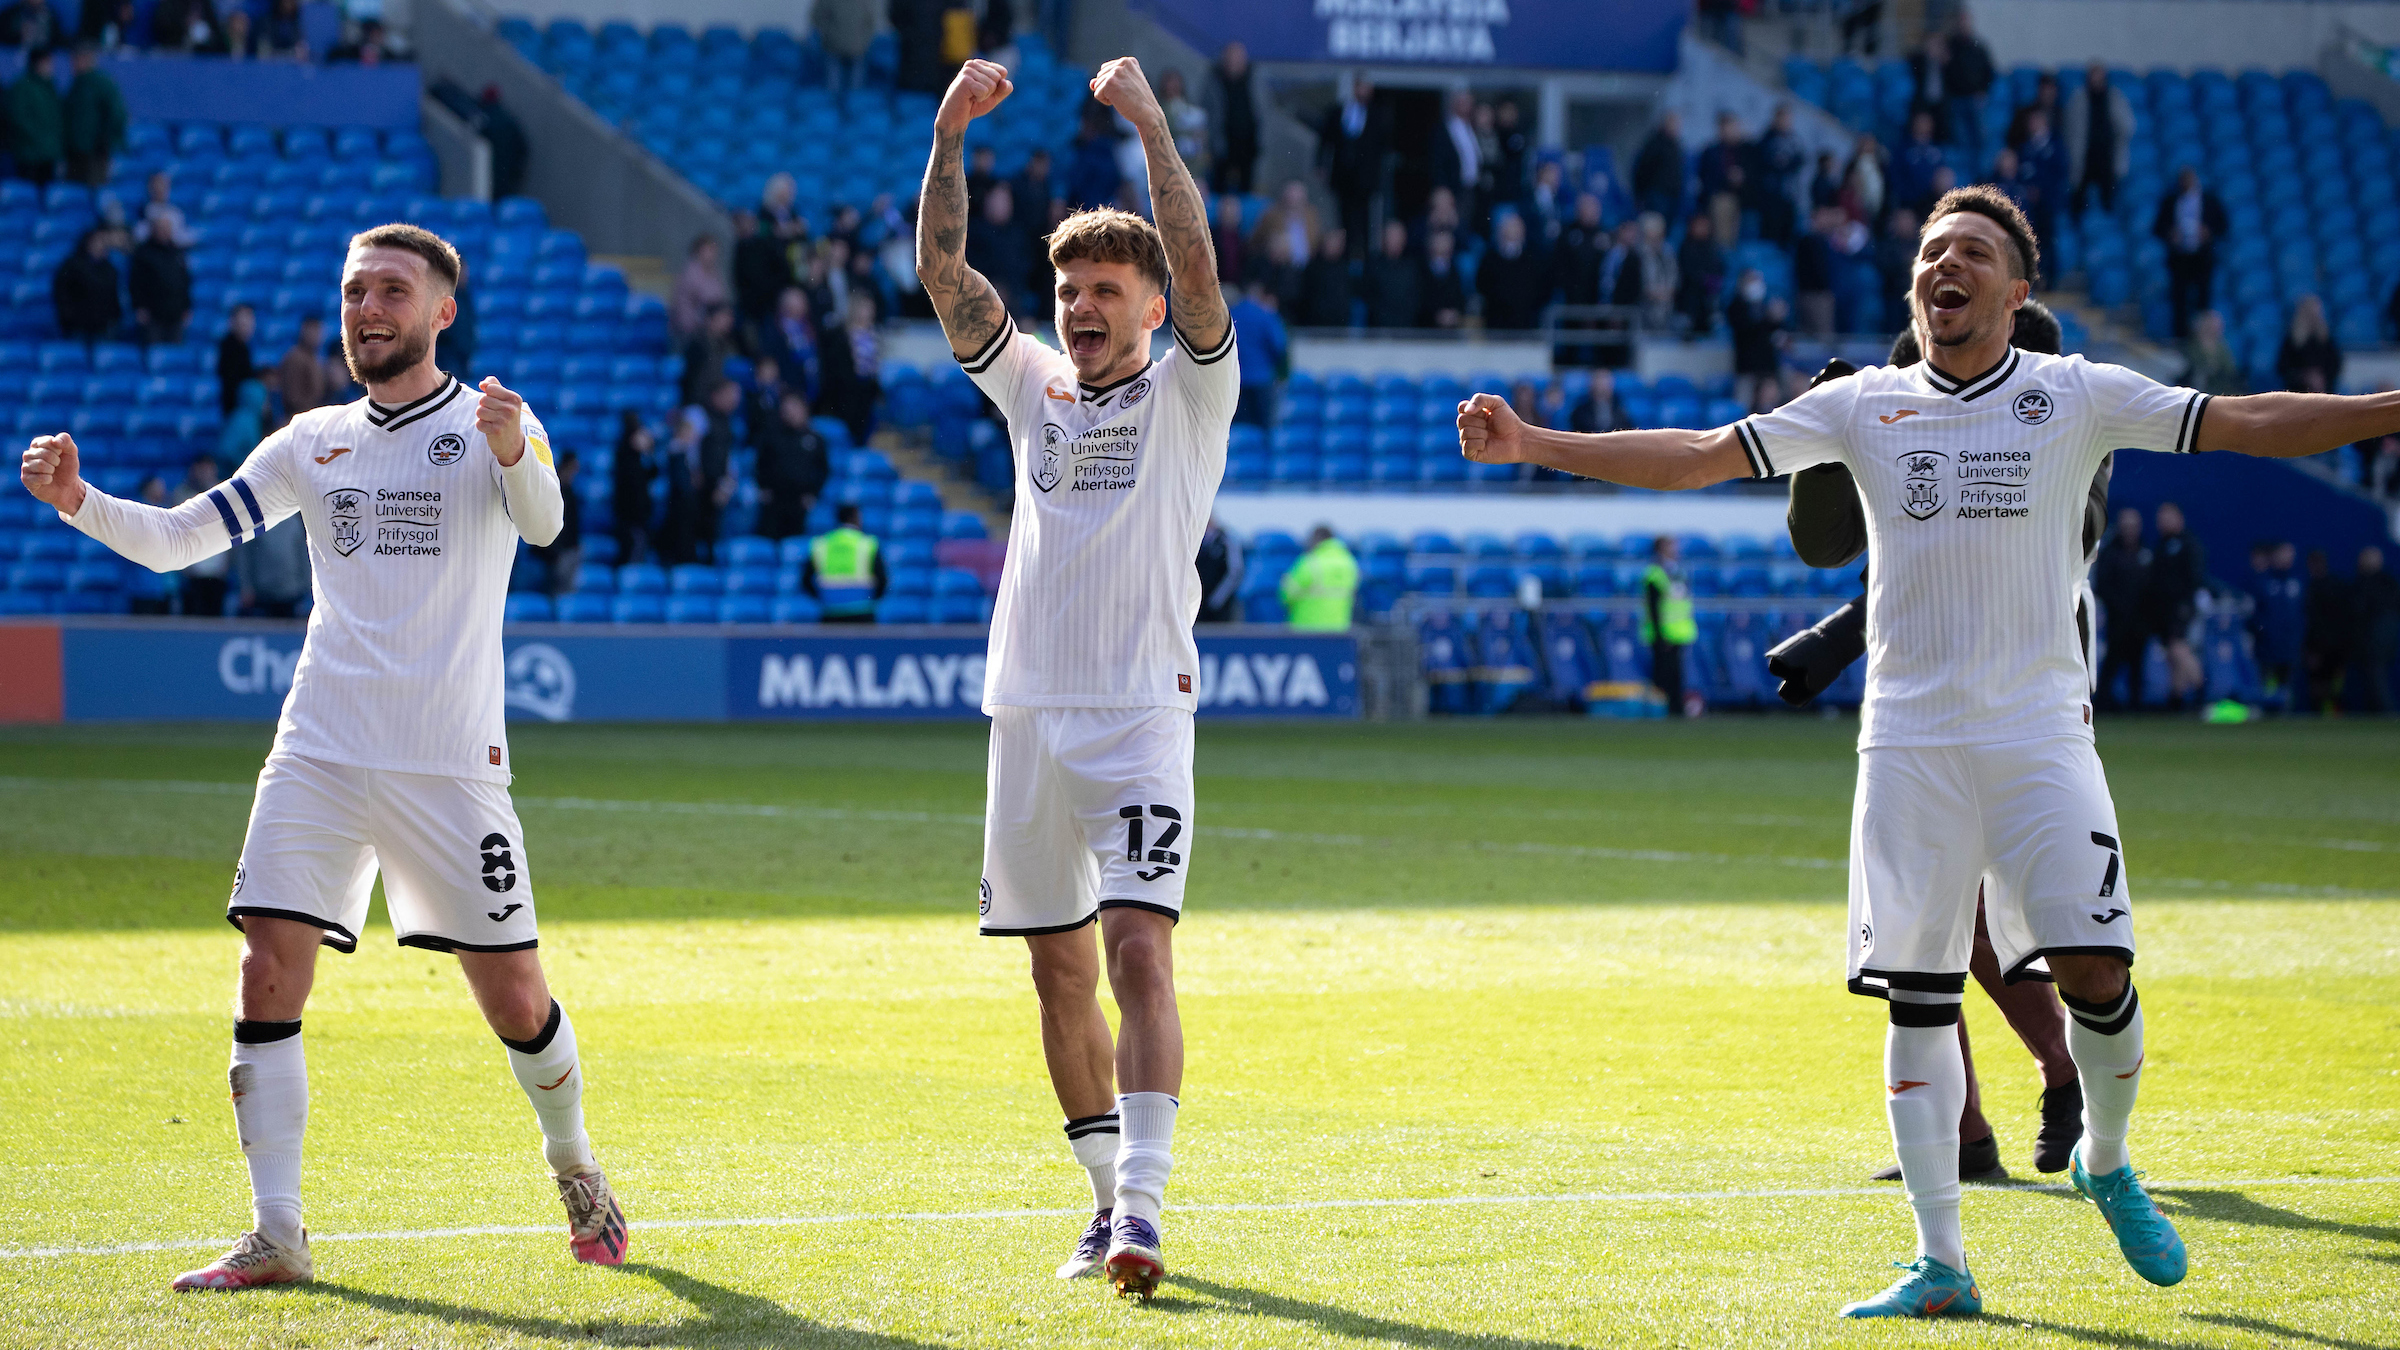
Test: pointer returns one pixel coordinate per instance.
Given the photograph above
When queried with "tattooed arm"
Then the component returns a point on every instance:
(1175, 206)
(971, 310)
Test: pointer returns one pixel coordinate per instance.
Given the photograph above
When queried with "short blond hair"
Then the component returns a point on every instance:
(1106, 234)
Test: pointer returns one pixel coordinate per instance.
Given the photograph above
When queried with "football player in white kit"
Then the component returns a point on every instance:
(391, 753)
(1088, 812)
(1976, 759)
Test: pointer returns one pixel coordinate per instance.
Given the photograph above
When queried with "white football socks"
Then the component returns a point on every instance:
(1095, 1141)
(1145, 1153)
(1925, 1088)
(269, 1080)
(2105, 1041)
(546, 1067)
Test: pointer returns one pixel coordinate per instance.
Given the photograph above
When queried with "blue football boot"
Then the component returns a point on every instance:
(2150, 1243)
(1929, 1289)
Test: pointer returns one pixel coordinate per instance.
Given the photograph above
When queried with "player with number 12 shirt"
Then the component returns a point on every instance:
(391, 754)
(1090, 680)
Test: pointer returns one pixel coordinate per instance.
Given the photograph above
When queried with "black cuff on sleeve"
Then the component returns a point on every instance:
(548, 1034)
(982, 360)
(264, 1033)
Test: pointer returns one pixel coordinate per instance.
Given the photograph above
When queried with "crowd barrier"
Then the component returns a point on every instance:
(131, 669)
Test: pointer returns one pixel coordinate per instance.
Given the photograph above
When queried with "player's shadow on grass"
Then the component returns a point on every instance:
(2277, 1330)
(729, 1319)
(1233, 1298)
(2235, 1207)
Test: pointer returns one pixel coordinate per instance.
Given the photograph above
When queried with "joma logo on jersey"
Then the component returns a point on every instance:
(1045, 469)
(1889, 418)
(1921, 482)
(447, 449)
(347, 507)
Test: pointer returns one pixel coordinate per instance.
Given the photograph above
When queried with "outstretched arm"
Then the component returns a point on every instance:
(2288, 426)
(163, 539)
(1490, 432)
(970, 309)
(1199, 308)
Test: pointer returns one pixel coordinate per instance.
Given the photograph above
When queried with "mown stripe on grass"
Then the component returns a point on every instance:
(1262, 1207)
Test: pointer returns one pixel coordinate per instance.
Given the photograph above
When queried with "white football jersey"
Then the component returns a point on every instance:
(412, 531)
(1974, 493)
(1114, 488)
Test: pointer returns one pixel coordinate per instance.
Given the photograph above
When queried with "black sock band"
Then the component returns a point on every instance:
(2107, 1019)
(1924, 1014)
(1083, 1125)
(548, 1034)
(264, 1033)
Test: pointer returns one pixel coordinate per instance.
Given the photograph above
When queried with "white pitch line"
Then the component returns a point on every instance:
(1264, 1207)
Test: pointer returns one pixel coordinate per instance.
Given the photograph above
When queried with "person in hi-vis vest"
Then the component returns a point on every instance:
(1667, 623)
(845, 570)
(1319, 590)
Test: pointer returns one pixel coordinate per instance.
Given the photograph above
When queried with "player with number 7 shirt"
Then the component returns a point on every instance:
(391, 754)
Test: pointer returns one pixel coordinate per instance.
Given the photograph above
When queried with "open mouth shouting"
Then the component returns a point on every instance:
(1087, 340)
(374, 339)
(1948, 299)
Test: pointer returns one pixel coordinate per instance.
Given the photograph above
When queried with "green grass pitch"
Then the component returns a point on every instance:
(1571, 993)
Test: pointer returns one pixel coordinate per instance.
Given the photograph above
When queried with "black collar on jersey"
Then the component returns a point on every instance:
(1098, 393)
(1967, 391)
(388, 418)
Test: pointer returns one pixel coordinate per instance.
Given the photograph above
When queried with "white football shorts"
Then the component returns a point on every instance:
(1085, 809)
(2031, 821)
(450, 850)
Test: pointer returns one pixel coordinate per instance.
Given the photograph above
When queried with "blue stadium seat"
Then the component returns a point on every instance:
(530, 607)
(641, 579)
(795, 609)
(902, 609)
(691, 608)
(744, 609)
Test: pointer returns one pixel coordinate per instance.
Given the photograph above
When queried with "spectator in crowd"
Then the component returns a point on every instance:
(1275, 269)
(2278, 620)
(83, 289)
(1505, 150)
(282, 34)
(30, 24)
(853, 368)
(1444, 301)
(2008, 176)
(201, 586)
(1866, 183)
(1599, 408)
(1225, 235)
(1393, 290)
(183, 25)
(1783, 173)
(300, 374)
(2099, 130)
(1812, 272)
(2380, 470)
(1702, 267)
(246, 425)
(1350, 149)
(1895, 259)
(1757, 321)
(631, 470)
(1232, 121)
(1660, 275)
(94, 118)
(845, 570)
(1326, 291)
(682, 525)
(1290, 216)
(1721, 23)
(1454, 154)
(1220, 566)
(761, 396)
(1321, 589)
(2121, 582)
(761, 269)
(2209, 363)
(110, 25)
(1621, 279)
(2326, 653)
(1441, 213)
(2177, 574)
(996, 33)
(2190, 220)
(982, 171)
(159, 279)
(562, 557)
(917, 26)
(2375, 638)
(373, 46)
(37, 120)
(1547, 203)
(1825, 186)
(1658, 169)
(1039, 198)
(1928, 71)
(717, 481)
(2045, 102)
(699, 288)
(1668, 628)
(1514, 282)
(1967, 80)
(1188, 122)
(2042, 168)
(1581, 254)
(707, 350)
(1265, 353)
(1729, 173)
(1093, 178)
(2309, 362)
(793, 464)
(844, 29)
(1914, 166)
(272, 571)
(234, 39)
(779, 218)
(1765, 396)
(998, 247)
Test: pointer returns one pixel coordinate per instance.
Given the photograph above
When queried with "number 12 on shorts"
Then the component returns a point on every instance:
(1161, 851)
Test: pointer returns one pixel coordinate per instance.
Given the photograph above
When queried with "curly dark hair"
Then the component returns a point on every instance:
(1992, 204)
